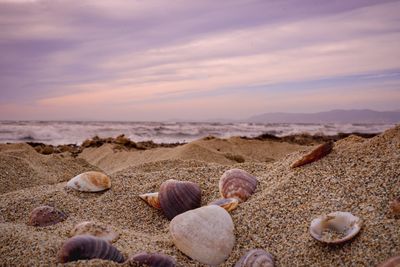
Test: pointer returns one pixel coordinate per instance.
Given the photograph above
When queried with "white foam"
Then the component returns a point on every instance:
(57, 133)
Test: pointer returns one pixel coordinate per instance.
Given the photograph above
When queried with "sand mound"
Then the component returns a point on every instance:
(358, 176)
(222, 151)
(21, 166)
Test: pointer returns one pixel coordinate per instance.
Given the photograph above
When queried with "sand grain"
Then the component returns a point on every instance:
(359, 176)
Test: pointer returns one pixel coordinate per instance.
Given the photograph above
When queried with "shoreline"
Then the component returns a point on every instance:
(53, 133)
(122, 142)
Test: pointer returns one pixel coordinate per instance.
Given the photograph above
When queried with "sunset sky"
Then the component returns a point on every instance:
(195, 60)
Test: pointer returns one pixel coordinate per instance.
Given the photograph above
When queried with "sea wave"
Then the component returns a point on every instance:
(62, 132)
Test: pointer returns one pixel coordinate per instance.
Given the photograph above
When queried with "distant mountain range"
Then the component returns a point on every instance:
(333, 116)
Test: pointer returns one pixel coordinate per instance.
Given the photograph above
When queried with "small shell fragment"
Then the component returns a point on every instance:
(256, 258)
(153, 259)
(151, 199)
(90, 182)
(336, 227)
(86, 247)
(314, 155)
(45, 216)
(177, 197)
(95, 229)
(228, 204)
(395, 206)
(237, 183)
(391, 262)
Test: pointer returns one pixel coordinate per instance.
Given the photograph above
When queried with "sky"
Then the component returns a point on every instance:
(158, 60)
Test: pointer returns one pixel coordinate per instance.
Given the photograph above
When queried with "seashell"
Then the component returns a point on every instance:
(237, 183)
(256, 258)
(86, 247)
(314, 155)
(336, 227)
(228, 204)
(177, 197)
(90, 182)
(395, 206)
(153, 259)
(204, 234)
(391, 262)
(45, 216)
(95, 229)
(152, 199)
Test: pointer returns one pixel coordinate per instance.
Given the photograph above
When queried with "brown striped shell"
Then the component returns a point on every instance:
(391, 262)
(395, 206)
(314, 155)
(45, 216)
(177, 197)
(151, 199)
(237, 183)
(228, 204)
(95, 229)
(153, 259)
(256, 258)
(86, 247)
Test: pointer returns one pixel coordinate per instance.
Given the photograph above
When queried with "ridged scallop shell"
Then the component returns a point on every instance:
(395, 206)
(314, 155)
(256, 258)
(336, 227)
(204, 234)
(237, 183)
(391, 262)
(152, 199)
(45, 216)
(228, 204)
(90, 182)
(95, 229)
(177, 197)
(86, 247)
(153, 259)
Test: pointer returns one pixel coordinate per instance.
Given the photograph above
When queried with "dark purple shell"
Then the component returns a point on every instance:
(45, 216)
(237, 183)
(177, 197)
(153, 259)
(256, 258)
(86, 247)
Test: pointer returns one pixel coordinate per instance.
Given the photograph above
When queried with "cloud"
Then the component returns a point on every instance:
(57, 55)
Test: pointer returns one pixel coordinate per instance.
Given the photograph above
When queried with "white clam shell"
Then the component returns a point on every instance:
(90, 182)
(204, 234)
(335, 227)
(95, 229)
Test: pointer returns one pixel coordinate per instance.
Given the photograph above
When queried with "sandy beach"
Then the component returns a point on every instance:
(360, 175)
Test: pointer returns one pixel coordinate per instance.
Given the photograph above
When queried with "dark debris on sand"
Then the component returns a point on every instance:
(120, 142)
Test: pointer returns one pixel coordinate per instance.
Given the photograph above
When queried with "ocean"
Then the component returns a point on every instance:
(75, 132)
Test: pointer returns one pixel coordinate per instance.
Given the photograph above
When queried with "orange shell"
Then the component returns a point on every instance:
(152, 199)
(314, 155)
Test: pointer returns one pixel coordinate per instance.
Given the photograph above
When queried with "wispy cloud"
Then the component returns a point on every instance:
(109, 58)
